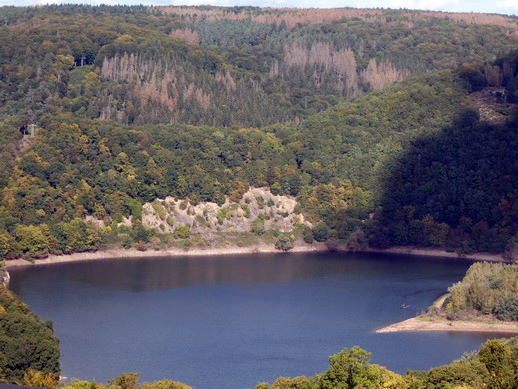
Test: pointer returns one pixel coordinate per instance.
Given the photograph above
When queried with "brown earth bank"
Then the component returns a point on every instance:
(435, 324)
(171, 252)
(236, 250)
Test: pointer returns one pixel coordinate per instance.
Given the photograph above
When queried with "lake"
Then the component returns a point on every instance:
(234, 321)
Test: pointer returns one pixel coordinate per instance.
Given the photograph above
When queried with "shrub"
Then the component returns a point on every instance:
(223, 214)
(257, 226)
(285, 242)
(182, 232)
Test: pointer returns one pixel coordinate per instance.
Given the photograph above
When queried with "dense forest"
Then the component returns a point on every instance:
(29, 351)
(388, 127)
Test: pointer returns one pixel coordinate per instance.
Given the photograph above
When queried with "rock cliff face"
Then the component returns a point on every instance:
(4, 275)
(278, 212)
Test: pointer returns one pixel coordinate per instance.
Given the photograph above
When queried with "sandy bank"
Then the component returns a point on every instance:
(172, 252)
(416, 324)
(235, 250)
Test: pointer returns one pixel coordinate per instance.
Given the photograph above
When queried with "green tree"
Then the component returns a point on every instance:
(7, 246)
(125, 381)
(471, 374)
(32, 241)
(350, 369)
(496, 356)
(321, 233)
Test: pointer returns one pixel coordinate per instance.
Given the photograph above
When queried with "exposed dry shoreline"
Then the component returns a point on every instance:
(172, 252)
(233, 250)
(417, 324)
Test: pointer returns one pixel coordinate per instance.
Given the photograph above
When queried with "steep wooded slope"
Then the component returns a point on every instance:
(81, 100)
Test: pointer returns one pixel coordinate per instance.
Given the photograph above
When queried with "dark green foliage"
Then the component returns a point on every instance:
(285, 242)
(506, 307)
(141, 233)
(307, 234)
(25, 341)
(320, 233)
(465, 172)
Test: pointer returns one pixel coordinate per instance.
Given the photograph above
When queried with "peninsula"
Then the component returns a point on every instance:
(484, 301)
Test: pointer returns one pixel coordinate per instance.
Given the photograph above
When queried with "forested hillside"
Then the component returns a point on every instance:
(376, 121)
(29, 350)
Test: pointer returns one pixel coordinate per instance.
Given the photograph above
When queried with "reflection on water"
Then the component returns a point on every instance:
(150, 274)
(233, 321)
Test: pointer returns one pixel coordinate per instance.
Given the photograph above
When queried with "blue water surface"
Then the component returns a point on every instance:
(234, 321)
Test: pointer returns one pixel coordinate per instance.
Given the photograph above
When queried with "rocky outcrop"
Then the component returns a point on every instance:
(278, 212)
(4, 275)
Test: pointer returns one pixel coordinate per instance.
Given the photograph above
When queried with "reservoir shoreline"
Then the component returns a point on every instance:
(416, 324)
(235, 250)
(413, 324)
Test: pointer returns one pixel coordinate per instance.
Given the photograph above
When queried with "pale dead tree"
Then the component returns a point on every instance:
(469, 18)
(202, 98)
(296, 16)
(295, 55)
(107, 110)
(290, 16)
(274, 68)
(227, 80)
(187, 34)
(381, 74)
(327, 62)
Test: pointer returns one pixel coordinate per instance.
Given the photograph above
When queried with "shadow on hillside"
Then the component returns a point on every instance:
(465, 176)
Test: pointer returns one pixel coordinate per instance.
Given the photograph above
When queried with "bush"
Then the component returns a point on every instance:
(257, 226)
(223, 214)
(182, 232)
(285, 242)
